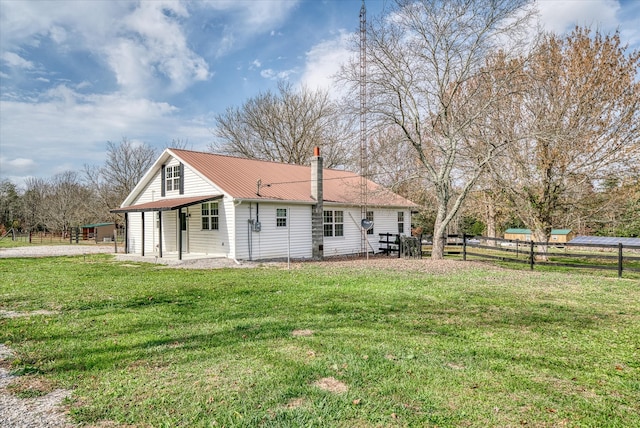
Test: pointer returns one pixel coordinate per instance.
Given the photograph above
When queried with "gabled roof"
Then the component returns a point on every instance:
(528, 231)
(239, 177)
(605, 240)
(519, 231)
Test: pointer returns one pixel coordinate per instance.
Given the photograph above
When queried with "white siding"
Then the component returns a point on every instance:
(151, 192)
(230, 225)
(350, 242)
(214, 242)
(384, 221)
(134, 232)
(195, 185)
(134, 224)
(170, 231)
(272, 241)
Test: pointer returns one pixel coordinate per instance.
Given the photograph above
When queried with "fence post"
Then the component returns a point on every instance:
(531, 256)
(619, 259)
(517, 248)
(464, 247)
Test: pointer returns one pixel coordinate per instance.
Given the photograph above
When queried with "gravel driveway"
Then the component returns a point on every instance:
(54, 250)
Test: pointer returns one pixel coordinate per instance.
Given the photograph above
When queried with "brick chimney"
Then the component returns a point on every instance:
(317, 210)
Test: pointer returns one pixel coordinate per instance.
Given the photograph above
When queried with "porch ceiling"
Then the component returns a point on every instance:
(166, 204)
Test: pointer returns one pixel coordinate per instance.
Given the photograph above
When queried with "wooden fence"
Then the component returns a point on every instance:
(48, 238)
(618, 257)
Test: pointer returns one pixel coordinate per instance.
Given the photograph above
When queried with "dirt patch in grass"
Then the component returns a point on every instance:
(301, 333)
(294, 403)
(14, 314)
(30, 386)
(331, 384)
(381, 262)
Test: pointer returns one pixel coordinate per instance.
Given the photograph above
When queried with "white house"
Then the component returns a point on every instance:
(245, 209)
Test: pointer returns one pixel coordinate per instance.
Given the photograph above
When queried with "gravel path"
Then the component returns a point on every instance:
(55, 250)
(39, 412)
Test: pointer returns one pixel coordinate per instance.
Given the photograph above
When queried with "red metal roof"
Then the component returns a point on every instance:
(166, 204)
(238, 177)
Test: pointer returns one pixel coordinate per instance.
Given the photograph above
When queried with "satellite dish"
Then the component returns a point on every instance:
(366, 224)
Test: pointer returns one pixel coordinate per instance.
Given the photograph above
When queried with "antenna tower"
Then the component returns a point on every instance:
(363, 125)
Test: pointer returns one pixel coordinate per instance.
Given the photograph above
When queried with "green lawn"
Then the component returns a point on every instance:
(145, 345)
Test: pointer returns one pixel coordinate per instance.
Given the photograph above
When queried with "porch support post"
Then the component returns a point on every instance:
(142, 240)
(179, 233)
(126, 233)
(160, 233)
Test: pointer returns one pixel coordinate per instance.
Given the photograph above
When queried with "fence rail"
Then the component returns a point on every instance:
(45, 238)
(618, 257)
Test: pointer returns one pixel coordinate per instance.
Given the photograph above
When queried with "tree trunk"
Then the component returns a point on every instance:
(439, 232)
(542, 236)
(491, 224)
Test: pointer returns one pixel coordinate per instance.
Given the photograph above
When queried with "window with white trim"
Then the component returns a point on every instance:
(400, 221)
(172, 178)
(281, 217)
(210, 216)
(333, 223)
(370, 218)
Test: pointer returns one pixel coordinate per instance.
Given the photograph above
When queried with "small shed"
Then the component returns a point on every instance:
(558, 236)
(518, 234)
(98, 231)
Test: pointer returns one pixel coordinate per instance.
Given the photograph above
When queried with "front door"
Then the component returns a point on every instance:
(183, 231)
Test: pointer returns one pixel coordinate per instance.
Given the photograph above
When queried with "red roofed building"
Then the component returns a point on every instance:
(247, 209)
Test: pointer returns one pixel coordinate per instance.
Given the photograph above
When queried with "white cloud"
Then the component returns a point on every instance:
(324, 60)
(64, 128)
(271, 74)
(562, 15)
(144, 43)
(160, 47)
(16, 61)
(17, 166)
(246, 19)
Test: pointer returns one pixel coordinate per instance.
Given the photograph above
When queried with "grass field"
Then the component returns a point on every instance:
(145, 345)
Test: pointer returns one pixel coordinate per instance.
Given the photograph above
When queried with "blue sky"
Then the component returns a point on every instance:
(76, 74)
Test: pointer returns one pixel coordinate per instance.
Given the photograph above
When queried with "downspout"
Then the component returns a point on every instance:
(249, 233)
(126, 233)
(237, 204)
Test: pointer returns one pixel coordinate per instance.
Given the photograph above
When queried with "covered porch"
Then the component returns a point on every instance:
(180, 229)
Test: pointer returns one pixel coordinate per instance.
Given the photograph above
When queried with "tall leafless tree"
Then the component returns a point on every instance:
(33, 202)
(421, 57)
(66, 202)
(124, 166)
(285, 127)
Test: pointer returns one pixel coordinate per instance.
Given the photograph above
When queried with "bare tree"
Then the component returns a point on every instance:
(33, 202)
(578, 123)
(125, 165)
(422, 59)
(284, 127)
(66, 202)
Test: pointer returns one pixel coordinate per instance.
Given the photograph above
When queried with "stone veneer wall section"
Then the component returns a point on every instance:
(317, 211)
